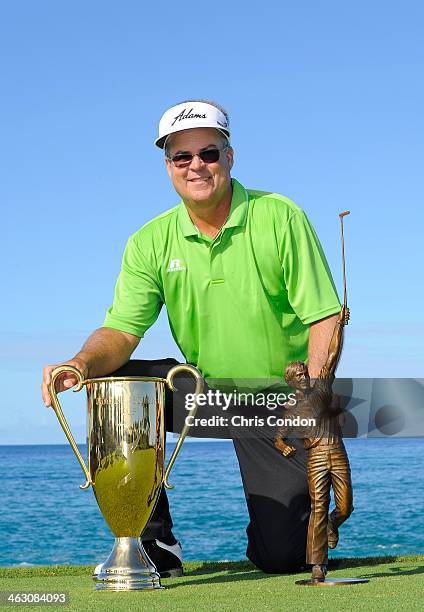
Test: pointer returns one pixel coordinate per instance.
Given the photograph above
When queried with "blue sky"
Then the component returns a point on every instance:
(325, 100)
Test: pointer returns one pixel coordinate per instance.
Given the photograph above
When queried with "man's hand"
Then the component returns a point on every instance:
(66, 380)
(285, 449)
(344, 316)
(104, 351)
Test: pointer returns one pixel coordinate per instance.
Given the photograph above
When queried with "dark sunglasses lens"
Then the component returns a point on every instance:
(210, 156)
(182, 160)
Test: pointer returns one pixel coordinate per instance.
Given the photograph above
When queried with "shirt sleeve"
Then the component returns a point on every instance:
(310, 287)
(138, 296)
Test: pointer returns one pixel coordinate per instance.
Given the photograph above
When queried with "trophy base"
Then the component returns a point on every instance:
(127, 568)
(332, 581)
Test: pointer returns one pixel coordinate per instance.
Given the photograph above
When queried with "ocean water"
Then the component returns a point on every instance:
(46, 519)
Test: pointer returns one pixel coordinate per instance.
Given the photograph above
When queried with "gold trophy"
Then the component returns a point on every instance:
(126, 456)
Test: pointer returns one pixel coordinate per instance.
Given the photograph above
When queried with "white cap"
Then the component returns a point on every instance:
(189, 115)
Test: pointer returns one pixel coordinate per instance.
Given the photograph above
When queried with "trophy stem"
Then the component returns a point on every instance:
(128, 568)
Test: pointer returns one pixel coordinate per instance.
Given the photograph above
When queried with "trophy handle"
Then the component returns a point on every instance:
(61, 417)
(199, 388)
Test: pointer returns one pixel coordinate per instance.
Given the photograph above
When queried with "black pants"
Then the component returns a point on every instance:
(275, 487)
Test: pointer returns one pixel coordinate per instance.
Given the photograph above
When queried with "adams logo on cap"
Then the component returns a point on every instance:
(191, 115)
(188, 115)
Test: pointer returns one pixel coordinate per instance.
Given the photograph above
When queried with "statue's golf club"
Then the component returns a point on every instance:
(341, 215)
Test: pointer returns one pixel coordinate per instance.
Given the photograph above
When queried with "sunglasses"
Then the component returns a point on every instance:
(210, 156)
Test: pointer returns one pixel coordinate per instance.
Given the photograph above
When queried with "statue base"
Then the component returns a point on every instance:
(332, 581)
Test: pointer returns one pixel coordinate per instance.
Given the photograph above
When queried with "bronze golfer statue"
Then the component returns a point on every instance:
(328, 463)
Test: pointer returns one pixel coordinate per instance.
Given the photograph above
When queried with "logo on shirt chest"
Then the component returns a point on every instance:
(175, 265)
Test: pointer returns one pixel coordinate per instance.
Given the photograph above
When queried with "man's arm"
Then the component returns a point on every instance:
(104, 351)
(320, 335)
(336, 344)
(322, 397)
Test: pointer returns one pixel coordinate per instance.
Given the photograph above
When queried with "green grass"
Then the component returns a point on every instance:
(395, 583)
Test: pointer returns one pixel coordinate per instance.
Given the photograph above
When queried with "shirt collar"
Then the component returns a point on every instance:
(236, 218)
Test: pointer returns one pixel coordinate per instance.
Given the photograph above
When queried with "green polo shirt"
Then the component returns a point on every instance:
(239, 306)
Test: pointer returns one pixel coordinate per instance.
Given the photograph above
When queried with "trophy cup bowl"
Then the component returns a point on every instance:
(126, 456)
